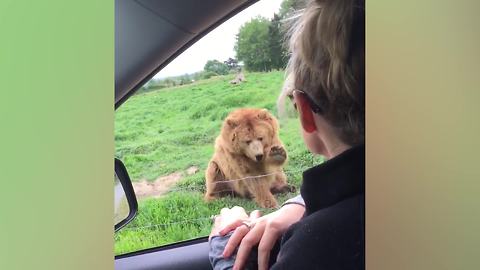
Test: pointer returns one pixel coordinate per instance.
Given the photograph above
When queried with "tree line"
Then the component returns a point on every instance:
(212, 68)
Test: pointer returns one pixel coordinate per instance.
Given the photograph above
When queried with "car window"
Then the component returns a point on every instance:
(165, 134)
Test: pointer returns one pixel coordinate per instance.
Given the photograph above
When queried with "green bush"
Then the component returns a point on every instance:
(208, 74)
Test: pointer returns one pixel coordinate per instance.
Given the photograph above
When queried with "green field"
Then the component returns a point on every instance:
(169, 130)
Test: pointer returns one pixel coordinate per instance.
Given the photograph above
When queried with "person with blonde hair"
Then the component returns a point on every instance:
(324, 228)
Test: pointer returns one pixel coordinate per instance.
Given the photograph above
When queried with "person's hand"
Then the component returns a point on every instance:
(264, 231)
(234, 217)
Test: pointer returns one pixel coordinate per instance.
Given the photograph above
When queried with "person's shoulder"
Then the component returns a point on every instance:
(350, 209)
(327, 239)
(342, 220)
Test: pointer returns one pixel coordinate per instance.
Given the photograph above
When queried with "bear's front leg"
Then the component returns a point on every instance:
(280, 184)
(213, 180)
(263, 197)
(277, 155)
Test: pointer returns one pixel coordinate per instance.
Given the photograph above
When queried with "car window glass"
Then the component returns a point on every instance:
(165, 133)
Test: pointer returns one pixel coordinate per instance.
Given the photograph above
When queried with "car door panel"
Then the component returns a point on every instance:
(186, 255)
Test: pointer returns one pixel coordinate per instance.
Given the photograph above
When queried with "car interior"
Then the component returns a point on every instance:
(166, 29)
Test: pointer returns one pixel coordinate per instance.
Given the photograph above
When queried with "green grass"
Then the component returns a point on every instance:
(169, 130)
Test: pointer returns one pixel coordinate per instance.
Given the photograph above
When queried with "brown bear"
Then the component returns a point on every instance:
(248, 148)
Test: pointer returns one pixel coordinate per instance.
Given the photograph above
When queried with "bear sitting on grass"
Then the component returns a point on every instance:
(248, 148)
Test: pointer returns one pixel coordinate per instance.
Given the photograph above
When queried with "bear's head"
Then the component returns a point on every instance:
(249, 132)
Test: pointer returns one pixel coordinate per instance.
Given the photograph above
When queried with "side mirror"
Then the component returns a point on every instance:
(125, 202)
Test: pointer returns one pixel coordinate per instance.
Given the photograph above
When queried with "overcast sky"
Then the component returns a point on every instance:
(218, 44)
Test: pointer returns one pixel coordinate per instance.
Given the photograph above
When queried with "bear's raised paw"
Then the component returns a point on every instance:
(278, 153)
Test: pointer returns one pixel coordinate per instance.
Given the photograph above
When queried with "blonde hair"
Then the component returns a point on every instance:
(327, 45)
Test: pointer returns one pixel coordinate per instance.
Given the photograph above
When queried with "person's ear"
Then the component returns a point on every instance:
(306, 114)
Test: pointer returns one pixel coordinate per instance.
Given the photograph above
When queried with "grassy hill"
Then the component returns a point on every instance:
(170, 130)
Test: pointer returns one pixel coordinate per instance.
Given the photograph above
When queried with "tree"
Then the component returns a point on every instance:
(277, 32)
(216, 67)
(185, 79)
(277, 49)
(252, 45)
(231, 63)
(288, 7)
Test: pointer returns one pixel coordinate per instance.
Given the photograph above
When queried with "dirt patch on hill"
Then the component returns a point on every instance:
(148, 189)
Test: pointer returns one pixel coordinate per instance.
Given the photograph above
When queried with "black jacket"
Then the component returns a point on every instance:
(331, 235)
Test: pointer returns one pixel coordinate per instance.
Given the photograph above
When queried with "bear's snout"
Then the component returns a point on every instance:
(254, 151)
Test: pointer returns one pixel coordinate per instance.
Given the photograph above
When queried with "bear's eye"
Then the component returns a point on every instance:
(260, 138)
(248, 142)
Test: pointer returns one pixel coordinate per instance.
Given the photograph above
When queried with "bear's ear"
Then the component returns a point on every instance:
(232, 123)
(264, 114)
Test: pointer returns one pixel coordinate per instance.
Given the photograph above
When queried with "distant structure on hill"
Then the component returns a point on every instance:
(239, 78)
